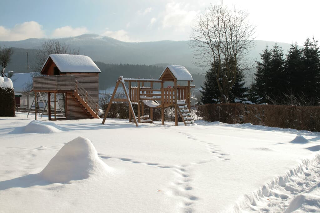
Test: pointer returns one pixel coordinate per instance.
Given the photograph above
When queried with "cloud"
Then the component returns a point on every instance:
(178, 16)
(22, 31)
(152, 21)
(68, 31)
(121, 35)
(146, 11)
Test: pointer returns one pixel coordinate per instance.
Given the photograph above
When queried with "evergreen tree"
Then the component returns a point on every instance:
(293, 80)
(311, 71)
(294, 76)
(277, 76)
(210, 90)
(270, 76)
(239, 91)
(259, 88)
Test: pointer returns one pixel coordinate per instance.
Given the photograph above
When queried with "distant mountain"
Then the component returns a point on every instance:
(112, 51)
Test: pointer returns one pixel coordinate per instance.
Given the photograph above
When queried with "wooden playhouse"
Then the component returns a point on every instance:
(76, 79)
(169, 94)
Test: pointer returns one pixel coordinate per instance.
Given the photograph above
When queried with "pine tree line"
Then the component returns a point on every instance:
(292, 79)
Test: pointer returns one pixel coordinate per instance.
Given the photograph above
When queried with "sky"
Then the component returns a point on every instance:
(289, 21)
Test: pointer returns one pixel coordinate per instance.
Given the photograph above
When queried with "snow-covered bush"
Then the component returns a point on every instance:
(7, 101)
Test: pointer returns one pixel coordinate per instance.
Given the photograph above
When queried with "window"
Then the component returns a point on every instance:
(56, 71)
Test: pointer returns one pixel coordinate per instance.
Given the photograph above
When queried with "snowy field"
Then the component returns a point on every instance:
(84, 166)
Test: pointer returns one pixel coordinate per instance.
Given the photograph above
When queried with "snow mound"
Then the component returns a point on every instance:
(40, 127)
(300, 139)
(76, 160)
(6, 82)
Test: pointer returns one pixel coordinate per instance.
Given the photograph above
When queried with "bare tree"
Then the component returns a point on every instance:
(5, 57)
(52, 47)
(221, 37)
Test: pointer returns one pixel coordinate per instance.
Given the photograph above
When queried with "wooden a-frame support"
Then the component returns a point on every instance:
(131, 112)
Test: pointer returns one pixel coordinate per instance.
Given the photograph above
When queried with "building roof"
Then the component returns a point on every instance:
(179, 72)
(74, 63)
(22, 82)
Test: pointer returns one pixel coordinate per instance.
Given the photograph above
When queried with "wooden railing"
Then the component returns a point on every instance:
(54, 83)
(166, 95)
(86, 97)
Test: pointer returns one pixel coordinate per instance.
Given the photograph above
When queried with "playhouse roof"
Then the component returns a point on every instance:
(74, 63)
(180, 73)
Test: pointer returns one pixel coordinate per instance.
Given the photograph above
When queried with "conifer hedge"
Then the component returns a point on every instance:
(283, 116)
(7, 102)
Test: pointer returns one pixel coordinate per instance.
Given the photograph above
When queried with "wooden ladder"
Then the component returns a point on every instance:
(86, 101)
(185, 113)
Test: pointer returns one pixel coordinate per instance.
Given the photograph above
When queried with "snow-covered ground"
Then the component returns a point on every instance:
(84, 166)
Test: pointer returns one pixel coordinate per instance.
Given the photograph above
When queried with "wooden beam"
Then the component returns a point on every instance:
(142, 104)
(110, 103)
(151, 113)
(119, 100)
(189, 96)
(49, 106)
(130, 99)
(130, 105)
(55, 106)
(66, 105)
(175, 103)
(162, 103)
(35, 105)
(139, 119)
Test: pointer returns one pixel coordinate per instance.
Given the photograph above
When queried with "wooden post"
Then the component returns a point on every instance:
(66, 106)
(142, 104)
(110, 103)
(130, 104)
(55, 106)
(130, 99)
(175, 103)
(189, 95)
(151, 109)
(49, 107)
(35, 105)
(162, 103)
(151, 113)
(139, 119)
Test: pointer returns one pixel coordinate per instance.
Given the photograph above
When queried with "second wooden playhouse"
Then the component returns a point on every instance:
(143, 92)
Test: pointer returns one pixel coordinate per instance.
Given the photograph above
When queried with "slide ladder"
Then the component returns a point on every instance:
(86, 101)
(185, 113)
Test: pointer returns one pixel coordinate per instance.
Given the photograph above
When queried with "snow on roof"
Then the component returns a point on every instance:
(74, 63)
(21, 81)
(5, 82)
(180, 73)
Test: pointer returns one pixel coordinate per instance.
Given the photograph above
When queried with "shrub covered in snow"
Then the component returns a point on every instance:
(7, 101)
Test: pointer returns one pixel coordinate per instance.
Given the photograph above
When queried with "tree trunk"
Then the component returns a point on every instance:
(2, 72)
